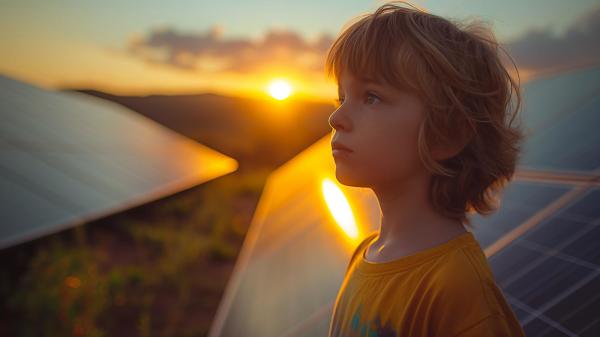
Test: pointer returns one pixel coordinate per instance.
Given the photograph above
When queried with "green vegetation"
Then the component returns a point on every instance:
(157, 270)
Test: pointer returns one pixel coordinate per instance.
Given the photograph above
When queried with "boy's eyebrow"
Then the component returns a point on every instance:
(368, 80)
(377, 83)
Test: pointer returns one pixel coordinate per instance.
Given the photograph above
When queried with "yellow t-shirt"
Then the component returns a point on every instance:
(447, 290)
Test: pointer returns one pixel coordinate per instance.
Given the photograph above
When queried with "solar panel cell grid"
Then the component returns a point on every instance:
(551, 272)
(520, 201)
(579, 311)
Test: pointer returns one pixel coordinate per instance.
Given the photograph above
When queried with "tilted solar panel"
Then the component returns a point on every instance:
(563, 115)
(548, 274)
(67, 158)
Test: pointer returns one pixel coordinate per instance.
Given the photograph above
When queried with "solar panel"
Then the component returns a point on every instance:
(562, 113)
(542, 270)
(520, 201)
(293, 239)
(67, 158)
(577, 311)
(541, 243)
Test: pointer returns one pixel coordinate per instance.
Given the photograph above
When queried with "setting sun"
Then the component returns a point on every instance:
(279, 89)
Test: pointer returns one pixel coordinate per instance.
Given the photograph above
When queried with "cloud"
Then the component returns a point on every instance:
(539, 50)
(209, 51)
(536, 51)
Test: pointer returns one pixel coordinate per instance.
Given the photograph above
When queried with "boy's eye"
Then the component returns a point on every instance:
(370, 99)
(371, 95)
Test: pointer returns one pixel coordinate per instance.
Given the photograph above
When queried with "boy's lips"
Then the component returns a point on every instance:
(339, 149)
(336, 145)
(340, 153)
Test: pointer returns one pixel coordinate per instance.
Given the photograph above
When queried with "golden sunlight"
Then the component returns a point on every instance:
(279, 89)
(339, 207)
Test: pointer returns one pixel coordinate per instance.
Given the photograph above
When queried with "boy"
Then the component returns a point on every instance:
(422, 121)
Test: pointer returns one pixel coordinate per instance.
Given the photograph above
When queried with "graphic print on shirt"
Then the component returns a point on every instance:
(361, 327)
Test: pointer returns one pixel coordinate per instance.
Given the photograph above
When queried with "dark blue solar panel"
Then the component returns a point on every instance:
(562, 113)
(575, 231)
(551, 273)
(550, 98)
(540, 328)
(519, 201)
(521, 314)
(579, 312)
(588, 207)
(549, 278)
(512, 258)
(592, 328)
(571, 144)
(554, 231)
(587, 247)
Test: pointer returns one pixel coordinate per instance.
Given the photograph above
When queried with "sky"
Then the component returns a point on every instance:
(238, 47)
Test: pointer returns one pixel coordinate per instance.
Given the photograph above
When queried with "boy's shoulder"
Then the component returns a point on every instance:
(463, 266)
(465, 276)
(467, 263)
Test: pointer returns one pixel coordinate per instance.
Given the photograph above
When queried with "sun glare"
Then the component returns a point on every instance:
(279, 89)
(339, 207)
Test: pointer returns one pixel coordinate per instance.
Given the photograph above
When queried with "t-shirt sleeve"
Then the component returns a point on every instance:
(495, 325)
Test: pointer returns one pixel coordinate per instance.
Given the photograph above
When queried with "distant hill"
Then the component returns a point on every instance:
(253, 131)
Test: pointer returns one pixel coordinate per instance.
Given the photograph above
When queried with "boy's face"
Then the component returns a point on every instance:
(380, 124)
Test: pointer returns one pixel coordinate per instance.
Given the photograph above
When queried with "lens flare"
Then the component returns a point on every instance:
(339, 207)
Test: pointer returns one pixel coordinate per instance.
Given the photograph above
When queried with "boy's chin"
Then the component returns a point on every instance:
(348, 179)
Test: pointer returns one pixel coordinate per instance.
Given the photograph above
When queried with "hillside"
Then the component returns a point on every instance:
(255, 132)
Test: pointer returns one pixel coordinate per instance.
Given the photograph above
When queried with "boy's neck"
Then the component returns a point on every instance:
(408, 220)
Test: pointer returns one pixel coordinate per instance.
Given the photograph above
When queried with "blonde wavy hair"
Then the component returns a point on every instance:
(456, 70)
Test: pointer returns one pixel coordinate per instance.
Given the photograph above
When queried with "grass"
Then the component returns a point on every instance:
(157, 270)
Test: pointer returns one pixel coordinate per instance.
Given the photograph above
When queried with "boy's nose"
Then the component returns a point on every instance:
(337, 121)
